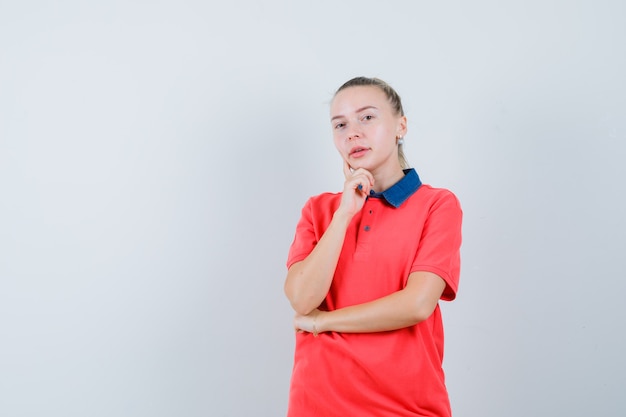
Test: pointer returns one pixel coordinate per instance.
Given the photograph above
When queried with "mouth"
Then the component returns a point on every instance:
(358, 151)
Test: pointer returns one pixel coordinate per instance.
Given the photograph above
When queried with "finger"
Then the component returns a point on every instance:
(347, 170)
(356, 185)
(363, 172)
(356, 182)
(364, 187)
(370, 177)
(362, 183)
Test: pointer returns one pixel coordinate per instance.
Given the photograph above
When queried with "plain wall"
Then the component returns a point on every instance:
(154, 158)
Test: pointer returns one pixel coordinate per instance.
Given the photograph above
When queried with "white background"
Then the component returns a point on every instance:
(155, 155)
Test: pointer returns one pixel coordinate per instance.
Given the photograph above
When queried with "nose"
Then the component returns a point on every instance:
(352, 135)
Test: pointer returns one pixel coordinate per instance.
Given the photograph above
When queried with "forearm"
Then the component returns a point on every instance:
(388, 313)
(404, 308)
(308, 281)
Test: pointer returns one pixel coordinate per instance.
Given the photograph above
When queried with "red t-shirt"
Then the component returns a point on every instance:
(394, 373)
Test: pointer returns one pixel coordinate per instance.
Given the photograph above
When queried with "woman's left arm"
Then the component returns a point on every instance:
(404, 308)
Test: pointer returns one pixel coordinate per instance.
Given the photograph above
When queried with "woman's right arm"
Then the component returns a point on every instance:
(308, 281)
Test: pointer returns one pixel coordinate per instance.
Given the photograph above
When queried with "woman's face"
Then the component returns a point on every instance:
(365, 128)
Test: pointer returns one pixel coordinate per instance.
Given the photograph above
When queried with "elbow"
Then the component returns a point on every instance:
(422, 294)
(302, 309)
(302, 298)
(421, 312)
(419, 316)
(299, 303)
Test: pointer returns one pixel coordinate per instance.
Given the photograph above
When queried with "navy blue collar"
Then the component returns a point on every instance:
(400, 191)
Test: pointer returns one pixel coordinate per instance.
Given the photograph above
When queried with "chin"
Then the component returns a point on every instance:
(361, 164)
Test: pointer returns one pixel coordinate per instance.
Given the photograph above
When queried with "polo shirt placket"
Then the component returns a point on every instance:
(377, 202)
(366, 231)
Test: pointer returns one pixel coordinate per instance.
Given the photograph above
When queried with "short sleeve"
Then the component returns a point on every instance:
(305, 238)
(440, 244)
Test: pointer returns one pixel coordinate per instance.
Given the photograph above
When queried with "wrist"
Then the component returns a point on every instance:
(319, 324)
(342, 218)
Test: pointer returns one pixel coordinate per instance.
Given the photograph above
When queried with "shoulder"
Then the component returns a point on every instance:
(321, 207)
(434, 195)
(318, 210)
(323, 200)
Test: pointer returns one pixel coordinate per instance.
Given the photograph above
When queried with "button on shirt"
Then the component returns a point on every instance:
(394, 196)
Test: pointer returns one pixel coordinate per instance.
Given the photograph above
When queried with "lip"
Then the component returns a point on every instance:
(358, 151)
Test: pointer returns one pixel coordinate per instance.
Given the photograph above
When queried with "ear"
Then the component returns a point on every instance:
(401, 130)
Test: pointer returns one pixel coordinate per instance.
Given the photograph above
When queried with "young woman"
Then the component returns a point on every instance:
(366, 271)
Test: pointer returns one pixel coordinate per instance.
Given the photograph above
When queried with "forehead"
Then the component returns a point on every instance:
(352, 99)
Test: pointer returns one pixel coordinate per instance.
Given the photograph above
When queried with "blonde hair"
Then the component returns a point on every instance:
(392, 96)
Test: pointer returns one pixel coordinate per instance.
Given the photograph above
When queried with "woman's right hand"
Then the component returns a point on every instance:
(356, 188)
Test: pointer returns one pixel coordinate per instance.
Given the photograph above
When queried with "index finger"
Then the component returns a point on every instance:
(347, 169)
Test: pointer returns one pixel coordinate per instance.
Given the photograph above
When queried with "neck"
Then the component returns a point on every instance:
(385, 178)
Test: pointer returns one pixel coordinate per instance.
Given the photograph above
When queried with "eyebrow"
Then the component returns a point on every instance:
(358, 111)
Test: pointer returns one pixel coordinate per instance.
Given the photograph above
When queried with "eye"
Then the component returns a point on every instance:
(367, 117)
(339, 125)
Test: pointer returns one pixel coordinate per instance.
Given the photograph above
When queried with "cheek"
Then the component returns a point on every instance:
(337, 141)
(387, 134)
